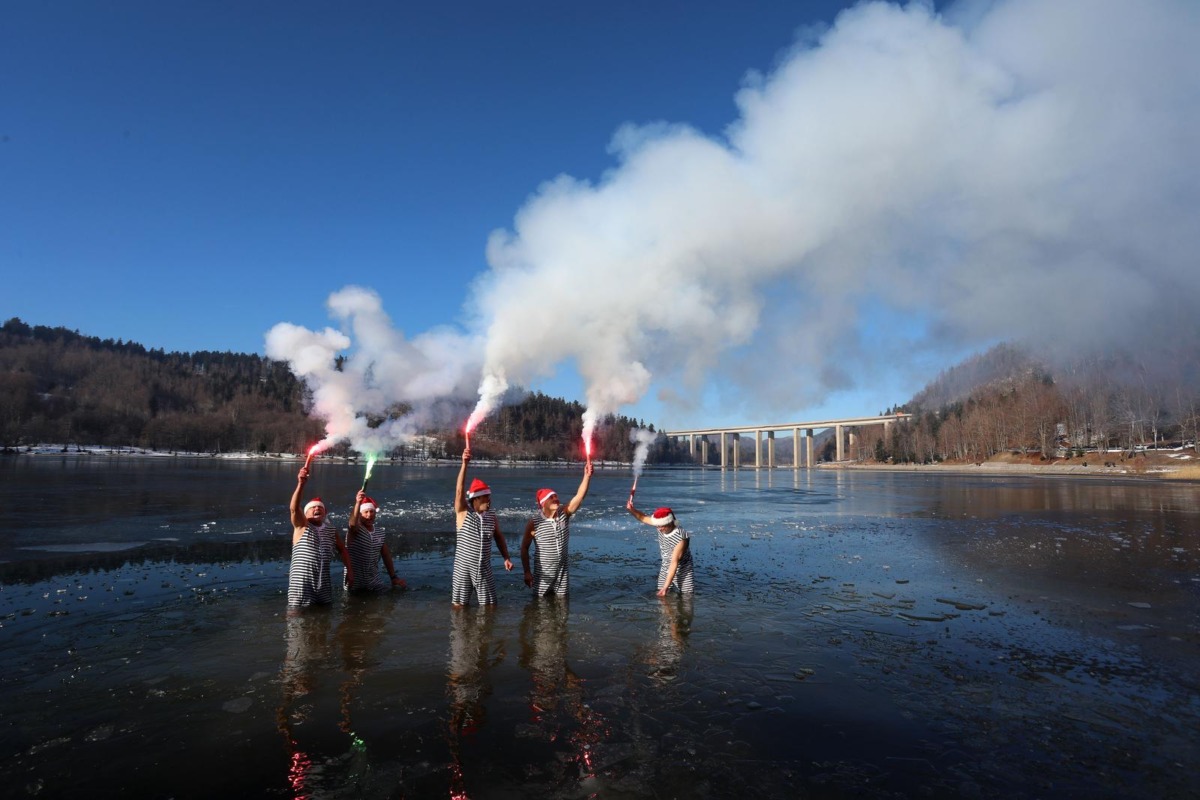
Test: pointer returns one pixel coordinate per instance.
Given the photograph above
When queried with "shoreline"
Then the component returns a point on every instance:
(1156, 466)
(1172, 465)
(109, 451)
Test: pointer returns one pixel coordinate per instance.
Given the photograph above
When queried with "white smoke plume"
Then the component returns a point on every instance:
(1017, 169)
(642, 440)
(1010, 172)
(382, 370)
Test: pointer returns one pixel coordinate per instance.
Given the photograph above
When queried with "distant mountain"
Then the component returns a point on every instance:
(1009, 398)
(1002, 365)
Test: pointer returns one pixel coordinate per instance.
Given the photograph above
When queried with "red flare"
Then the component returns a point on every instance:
(312, 451)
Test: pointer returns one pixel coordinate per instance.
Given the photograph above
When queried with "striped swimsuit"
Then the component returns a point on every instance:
(550, 557)
(473, 560)
(683, 582)
(308, 575)
(365, 548)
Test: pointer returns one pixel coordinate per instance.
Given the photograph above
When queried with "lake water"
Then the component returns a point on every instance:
(853, 634)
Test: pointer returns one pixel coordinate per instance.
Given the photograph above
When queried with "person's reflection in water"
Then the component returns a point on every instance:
(471, 657)
(556, 700)
(364, 621)
(308, 651)
(674, 625)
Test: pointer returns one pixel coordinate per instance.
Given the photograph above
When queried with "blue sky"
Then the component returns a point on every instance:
(188, 175)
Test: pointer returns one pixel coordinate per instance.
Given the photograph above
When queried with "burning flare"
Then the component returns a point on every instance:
(312, 451)
(371, 459)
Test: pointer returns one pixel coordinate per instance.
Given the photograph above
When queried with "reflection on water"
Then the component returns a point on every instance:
(674, 625)
(559, 711)
(544, 636)
(995, 496)
(471, 658)
(308, 651)
(859, 635)
(364, 622)
(324, 667)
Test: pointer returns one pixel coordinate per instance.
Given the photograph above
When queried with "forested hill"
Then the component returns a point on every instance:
(60, 386)
(57, 385)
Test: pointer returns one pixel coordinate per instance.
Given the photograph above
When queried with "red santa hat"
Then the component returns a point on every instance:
(544, 495)
(662, 517)
(367, 504)
(316, 501)
(477, 489)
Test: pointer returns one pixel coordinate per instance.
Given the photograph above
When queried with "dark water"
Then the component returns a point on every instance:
(853, 635)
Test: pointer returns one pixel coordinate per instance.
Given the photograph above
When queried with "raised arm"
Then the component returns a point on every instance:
(577, 500)
(297, 511)
(460, 490)
(638, 514)
(358, 498)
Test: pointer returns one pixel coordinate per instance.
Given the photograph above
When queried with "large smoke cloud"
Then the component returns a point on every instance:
(1005, 171)
(380, 370)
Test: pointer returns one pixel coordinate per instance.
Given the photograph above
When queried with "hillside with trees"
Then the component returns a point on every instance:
(59, 386)
(1008, 400)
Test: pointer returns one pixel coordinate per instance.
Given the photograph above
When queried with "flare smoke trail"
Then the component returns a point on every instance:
(642, 440)
(382, 370)
(901, 183)
(947, 179)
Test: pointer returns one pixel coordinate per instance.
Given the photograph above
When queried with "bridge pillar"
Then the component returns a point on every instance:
(737, 451)
(724, 451)
(704, 450)
(852, 449)
(692, 446)
(839, 446)
(770, 449)
(758, 450)
(796, 448)
(808, 452)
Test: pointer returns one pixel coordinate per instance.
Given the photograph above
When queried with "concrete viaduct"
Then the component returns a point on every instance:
(843, 429)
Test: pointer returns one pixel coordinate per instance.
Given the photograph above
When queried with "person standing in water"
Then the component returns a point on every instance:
(551, 532)
(673, 544)
(367, 546)
(477, 528)
(313, 543)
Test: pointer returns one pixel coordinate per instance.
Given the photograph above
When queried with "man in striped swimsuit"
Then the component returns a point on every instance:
(477, 529)
(313, 543)
(367, 546)
(673, 545)
(551, 532)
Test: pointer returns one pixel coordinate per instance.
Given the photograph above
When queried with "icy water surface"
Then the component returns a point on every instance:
(853, 635)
